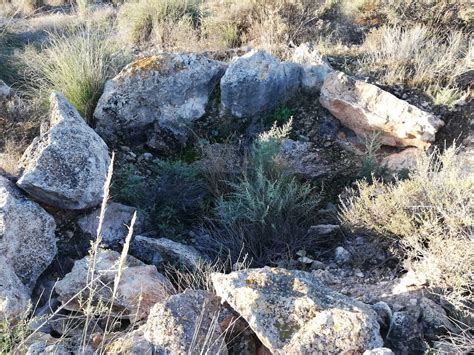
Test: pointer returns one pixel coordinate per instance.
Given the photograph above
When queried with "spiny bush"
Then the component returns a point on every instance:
(417, 56)
(76, 63)
(267, 211)
(427, 218)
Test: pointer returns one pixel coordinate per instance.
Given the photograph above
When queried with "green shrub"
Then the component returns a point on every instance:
(75, 63)
(427, 218)
(173, 196)
(267, 211)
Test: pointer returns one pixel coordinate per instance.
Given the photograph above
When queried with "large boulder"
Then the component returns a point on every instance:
(167, 91)
(14, 295)
(140, 286)
(258, 82)
(314, 67)
(114, 227)
(366, 109)
(65, 166)
(186, 323)
(292, 313)
(164, 251)
(27, 240)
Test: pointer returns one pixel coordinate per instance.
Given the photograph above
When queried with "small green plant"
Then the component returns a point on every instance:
(370, 167)
(267, 211)
(75, 63)
(173, 196)
(282, 114)
(13, 332)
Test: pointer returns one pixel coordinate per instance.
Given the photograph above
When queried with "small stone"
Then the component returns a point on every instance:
(379, 351)
(341, 256)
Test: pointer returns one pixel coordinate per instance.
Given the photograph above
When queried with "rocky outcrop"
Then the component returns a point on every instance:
(140, 287)
(14, 296)
(164, 251)
(367, 109)
(27, 240)
(292, 313)
(314, 67)
(114, 227)
(66, 166)
(167, 91)
(186, 324)
(257, 82)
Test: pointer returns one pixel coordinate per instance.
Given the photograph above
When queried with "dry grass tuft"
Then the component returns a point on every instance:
(419, 57)
(76, 63)
(428, 218)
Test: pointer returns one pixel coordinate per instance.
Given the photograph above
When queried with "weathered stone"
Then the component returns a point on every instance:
(341, 256)
(365, 108)
(314, 67)
(162, 250)
(131, 343)
(404, 160)
(324, 230)
(186, 324)
(5, 90)
(293, 313)
(14, 295)
(303, 158)
(27, 240)
(66, 166)
(171, 90)
(379, 351)
(405, 335)
(114, 227)
(257, 82)
(140, 287)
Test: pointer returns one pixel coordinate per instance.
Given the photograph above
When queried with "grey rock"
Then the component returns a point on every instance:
(291, 312)
(379, 351)
(384, 313)
(341, 256)
(5, 90)
(257, 82)
(186, 324)
(14, 296)
(314, 67)
(164, 251)
(366, 109)
(66, 166)
(140, 287)
(131, 343)
(170, 90)
(324, 230)
(114, 227)
(303, 158)
(27, 240)
(405, 335)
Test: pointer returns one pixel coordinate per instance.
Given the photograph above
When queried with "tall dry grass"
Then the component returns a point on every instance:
(428, 220)
(419, 57)
(76, 63)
